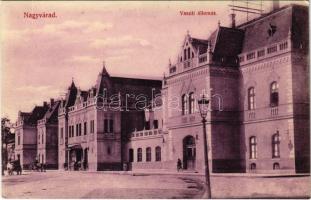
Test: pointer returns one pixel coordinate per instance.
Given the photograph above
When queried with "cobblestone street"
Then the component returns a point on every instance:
(54, 184)
(99, 185)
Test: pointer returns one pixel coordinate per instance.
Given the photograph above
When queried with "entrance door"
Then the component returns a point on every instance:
(85, 163)
(189, 153)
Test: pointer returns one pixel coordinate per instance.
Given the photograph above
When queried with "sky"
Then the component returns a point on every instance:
(40, 57)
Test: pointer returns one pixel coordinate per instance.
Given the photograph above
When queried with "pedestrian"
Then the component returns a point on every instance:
(18, 167)
(9, 167)
(179, 166)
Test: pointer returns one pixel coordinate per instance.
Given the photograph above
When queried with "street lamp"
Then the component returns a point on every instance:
(203, 107)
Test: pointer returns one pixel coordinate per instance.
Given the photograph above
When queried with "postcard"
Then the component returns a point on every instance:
(155, 99)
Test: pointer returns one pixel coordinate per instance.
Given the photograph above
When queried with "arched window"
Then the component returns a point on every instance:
(158, 153)
(251, 98)
(148, 154)
(184, 103)
(253, 166)
(276, 166)
(253, 147)
(276, 145)
(139, 155)
(191, 103)
(274, 94)
(185, 54)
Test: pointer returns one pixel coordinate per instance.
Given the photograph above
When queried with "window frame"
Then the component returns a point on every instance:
(274, 94)
(191, 102)
(148, 154)
(184, 104)
(158, 153)
(253, 147)
(139, 155)
(276, 145)
(251, 98)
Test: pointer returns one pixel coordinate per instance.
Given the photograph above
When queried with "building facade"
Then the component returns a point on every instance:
(47, 137)
(26, 135)
(256, 76)
(94, 123)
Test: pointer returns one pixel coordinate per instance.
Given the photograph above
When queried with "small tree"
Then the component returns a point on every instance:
(5, 135)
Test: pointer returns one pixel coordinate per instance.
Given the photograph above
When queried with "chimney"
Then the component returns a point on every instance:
(275, 5)
(45, 104)
(232, 15)
(52, 101)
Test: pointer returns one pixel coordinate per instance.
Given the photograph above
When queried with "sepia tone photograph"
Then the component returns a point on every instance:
(155, 100)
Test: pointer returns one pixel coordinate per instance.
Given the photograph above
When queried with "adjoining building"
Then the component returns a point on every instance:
(26, 135)
(94, 124)
(47, 137)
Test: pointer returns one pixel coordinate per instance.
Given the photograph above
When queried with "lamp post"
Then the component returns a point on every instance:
(203, 107)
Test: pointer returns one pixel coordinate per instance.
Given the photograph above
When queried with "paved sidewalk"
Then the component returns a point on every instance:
(192, 173)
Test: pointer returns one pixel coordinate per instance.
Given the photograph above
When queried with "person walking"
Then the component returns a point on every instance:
(179, 166)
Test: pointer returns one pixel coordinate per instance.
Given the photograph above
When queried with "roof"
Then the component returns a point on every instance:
(71, 95)
(37, 113)
(287, 21)
(198, 42)
(51, 114)
(227, 41)
(127, 86)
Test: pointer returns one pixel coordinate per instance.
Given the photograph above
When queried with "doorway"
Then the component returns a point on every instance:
(189, 153)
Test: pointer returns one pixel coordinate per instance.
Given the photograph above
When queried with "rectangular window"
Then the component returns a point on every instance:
(18, 140)
(158, 153)
(106, 126)
(85, 128)
(70, 132)
(77, 130)
(110, 126)
(139, 155)
(61, 133)
(42, 137)
(80, 129)
(155, 124)
(148, 154)
(92, 126)
(39, 139)
(147, 125)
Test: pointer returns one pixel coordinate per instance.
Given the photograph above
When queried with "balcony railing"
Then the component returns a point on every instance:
(146, 133)
(271, 50)
(268, 112)
(82, 105)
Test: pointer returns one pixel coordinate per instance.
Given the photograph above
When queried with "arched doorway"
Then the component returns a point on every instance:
(189, 153)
